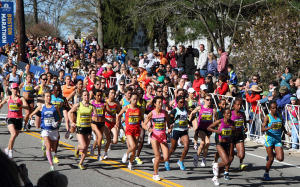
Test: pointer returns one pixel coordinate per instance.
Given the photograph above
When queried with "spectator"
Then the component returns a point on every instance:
(163, 60)
(285, 96)
(202, 61)
(293, 85)
(116, 66)
(285, 78)
(209, 83)
(121, 56)
(212, 65)
(272, 87)
(232, 75)
(223, 61)
(241, 90)
(171, 57)
(190, 55)
(255, 80)
(222, 86)
(298, 88)
(53, 178)
(143, 74)
(199, 80)
(180, 58)
(109, 73)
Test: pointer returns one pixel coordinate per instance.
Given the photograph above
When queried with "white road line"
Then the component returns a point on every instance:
(283, 163)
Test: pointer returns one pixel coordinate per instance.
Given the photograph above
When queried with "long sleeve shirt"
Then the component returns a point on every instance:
(253, 99)
(202, 61)
(223, 63)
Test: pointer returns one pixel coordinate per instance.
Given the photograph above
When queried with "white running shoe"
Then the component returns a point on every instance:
(203, 163)
(216, 169)
(195, 146)
(92, 151)
(130, 166)
(52, 168)
(124, 159)
(6, 151)
(10, 154)
(156, 177)
(105, 156)
(216, 181)
(196, 160)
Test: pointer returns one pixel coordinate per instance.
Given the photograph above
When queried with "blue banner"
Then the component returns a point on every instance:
(7, 23)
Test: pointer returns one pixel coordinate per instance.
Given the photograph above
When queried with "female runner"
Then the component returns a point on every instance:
(27, 88)
(50, 119)
(84, 119)
(273, 127)
(224, 128)
(133, 117)
(14, 116)
(158, 140)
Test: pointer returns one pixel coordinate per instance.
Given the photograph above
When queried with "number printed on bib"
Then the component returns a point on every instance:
(13, 107)
(226, 132)
(28, 88)
(278, 126)
(133, 120)
(99, 112)
(85, 121)
(239, 123)
(49, 121)
(206, 117)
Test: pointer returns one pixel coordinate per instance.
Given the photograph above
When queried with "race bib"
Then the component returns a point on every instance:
(239, 123)
(226, 132)
(85, 121)
(99, 112)
(28, 88)
(183, 123)
(278, 126)
(113, 111)
(159, 126)
(133, 120)
(57, 103)
(13, 107)
(49, 121)
(206, 117)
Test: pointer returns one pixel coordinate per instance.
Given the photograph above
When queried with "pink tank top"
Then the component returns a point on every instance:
(205, 117)
(159, 122)
(225, 129)
(238, 121)
(14, 109)
(150, 107)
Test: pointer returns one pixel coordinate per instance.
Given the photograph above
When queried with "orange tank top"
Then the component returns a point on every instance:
(67, 91)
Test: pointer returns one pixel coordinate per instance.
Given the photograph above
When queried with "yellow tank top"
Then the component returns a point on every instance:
(84, 115)
(40, 92)
(142, 105)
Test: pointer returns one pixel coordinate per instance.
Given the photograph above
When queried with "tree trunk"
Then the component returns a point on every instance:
(21, 30)
(100, 24)
(35, 12)
(163, 38)
(210, 34)
(210, 46)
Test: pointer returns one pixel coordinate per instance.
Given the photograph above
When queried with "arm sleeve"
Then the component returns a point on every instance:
(172, 118)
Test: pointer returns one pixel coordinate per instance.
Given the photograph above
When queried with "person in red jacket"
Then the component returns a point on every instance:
(222, 88)
(252, 97)
(107, 74)
(199, 80)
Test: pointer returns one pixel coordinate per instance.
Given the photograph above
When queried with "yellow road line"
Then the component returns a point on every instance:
(119, 165)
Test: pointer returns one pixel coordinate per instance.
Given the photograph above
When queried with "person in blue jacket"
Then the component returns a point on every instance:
(121, 56)
(285, 97)
(232, 75)
(272, 87)
(285, 78)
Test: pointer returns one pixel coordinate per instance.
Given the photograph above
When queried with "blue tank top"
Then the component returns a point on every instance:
(125, 103)
(27, 88)
(277, 130)
(58, 101)
(181, 124)
(48, 117)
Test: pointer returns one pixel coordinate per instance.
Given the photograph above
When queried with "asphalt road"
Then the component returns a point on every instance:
(112, 172)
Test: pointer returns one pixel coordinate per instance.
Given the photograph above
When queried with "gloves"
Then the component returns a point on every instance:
(55, 124)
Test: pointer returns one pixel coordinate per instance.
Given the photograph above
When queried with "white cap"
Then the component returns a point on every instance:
(191, 90)
(203, 87)
(142, 66)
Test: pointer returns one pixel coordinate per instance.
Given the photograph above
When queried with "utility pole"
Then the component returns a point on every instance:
(21, 30)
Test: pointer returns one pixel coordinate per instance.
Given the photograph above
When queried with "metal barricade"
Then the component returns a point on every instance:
(172, 92)
(112, 81)
(292, 112)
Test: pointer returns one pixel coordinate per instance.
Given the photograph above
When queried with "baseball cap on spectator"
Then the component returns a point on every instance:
(142, 66)
(184, 77)
(203, 87)
(191, 90)
(197, 73)
(241, 84)
(265, 93)
(14, 85)
(283, 89)
(141, 54)
(293, 98)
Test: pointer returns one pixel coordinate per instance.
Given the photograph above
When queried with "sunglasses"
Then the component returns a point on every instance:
(208, 99)
(98, 95)
(122, 84)
(181, 102)
(196, 74)
(254, 79)
(103, 82)
(97, 84)
(159, 91)
(44, 79)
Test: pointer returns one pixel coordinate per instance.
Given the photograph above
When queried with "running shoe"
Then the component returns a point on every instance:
(195, 146)
(167, 166)
(76, 152)
(80, 166)
(100, 158)
(203, 163)
(109, 148)
(10, 154)
(124, 158)
(181, 165)
(130, 166)
(243, 167)
(196, 160)
(105, 156)
(267, 177)
(138, 160)
(6, 151)
(156, 177)
(216, 169)
(216, 181)
(55, 160)
(92, 151)
(52, 168)
(70, 137)
(226, 176)
(43, 145)
(67, 134)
